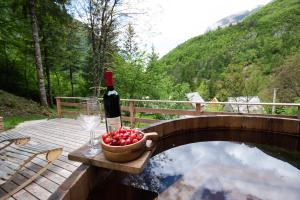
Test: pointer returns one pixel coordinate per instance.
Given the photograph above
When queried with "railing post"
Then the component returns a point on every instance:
(298, 112)
(198, 108)
(132, 113)
(58, 107)
(1, 125)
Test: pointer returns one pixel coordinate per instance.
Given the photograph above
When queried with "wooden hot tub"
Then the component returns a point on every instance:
(265, 130)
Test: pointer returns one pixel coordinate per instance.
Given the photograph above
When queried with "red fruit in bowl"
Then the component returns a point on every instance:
(126, 135)
(122, 142)
(134, 140)
(107, 140)
(128, 141)
(133, 136)
(139, 136)
(116, 136)
(115, 143)
(105, 135)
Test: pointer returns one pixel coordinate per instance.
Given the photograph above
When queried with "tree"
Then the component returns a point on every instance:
(286, 79)
(38, 57)
(101, 18)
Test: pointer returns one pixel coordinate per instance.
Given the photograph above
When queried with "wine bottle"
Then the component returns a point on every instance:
(111, 101)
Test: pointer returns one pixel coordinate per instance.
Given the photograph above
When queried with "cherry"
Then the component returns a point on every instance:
(134, 140)
(107, 140)
(122, 142)
(128, 141)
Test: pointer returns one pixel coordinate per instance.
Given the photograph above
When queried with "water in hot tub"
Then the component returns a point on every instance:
(218, 171)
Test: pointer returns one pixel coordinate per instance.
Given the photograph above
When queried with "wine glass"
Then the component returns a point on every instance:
(89, 118)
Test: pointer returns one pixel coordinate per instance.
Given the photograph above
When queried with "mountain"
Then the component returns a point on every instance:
(232, 19)
(240, 59)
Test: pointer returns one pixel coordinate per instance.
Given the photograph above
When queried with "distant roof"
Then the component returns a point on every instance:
(214, 100)
(194, 96)
(244, 99)
(245, 108)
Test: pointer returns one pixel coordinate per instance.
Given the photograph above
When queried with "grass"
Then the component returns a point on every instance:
(11, 122)
(15, 110)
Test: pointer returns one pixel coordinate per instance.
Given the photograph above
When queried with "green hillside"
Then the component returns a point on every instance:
(239, 59)
(17, 109)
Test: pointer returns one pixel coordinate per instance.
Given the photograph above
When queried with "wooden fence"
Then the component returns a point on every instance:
(1, 124)
(132, 109)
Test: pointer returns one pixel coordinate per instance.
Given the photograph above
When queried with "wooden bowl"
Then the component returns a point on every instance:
(129, 152)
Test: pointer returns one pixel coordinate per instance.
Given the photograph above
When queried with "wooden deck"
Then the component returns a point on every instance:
(62, 132)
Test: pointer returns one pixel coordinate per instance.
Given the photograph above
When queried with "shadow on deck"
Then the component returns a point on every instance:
(61, 132)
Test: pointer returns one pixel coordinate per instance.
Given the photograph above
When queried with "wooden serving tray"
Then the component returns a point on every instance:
(134, 167)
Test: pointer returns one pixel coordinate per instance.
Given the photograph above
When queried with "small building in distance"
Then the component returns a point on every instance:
(244, 108)
(214, 107)
(214, 100)
(194, 96)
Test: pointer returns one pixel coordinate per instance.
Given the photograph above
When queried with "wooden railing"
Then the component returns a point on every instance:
(132, 109)
(1, 124)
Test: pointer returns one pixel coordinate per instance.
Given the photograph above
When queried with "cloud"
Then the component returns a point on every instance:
(173, 21)
(235, 169)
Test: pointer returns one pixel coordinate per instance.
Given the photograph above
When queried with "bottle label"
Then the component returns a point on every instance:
(113, 124)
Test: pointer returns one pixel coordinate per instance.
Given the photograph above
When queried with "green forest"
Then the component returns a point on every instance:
(46, 52)
(247, 59)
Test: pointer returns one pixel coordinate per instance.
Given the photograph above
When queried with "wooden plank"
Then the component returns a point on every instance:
(62, 132)
(54, 140)
(38, 191)
(56, 178)
(136, 166)
(149, 121)
(61, 135)
(65, 133)
(41, 180)
(58, 107)
(9, 186)
(71, 113)
(166, 111)
(144, 120)
(132, 113)
(69, 104)
(125, 108)
(65, 165)
(23, 194)
(58, 170)
(1, 125)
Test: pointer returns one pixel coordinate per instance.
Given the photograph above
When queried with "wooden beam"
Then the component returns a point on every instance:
(148, 121)
(166, 111)
(58, 107)
(1, 124)
(70, 104)
(132, 113)
(72, 113)
(144, 120)
(125, 108)
(198, 108)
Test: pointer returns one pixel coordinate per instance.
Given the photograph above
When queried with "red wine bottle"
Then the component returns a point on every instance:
(111, 101)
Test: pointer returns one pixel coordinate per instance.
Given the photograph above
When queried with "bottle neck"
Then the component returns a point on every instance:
(110, 88)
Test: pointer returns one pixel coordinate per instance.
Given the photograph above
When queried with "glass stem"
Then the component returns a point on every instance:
(92, 139)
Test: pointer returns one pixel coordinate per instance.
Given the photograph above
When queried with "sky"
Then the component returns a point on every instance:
(168, 23)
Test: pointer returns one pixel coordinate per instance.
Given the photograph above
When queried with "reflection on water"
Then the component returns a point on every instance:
(218, 171)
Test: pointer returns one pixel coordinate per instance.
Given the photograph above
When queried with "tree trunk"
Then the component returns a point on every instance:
(71, 80)
(48, 77)
(38, 57)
